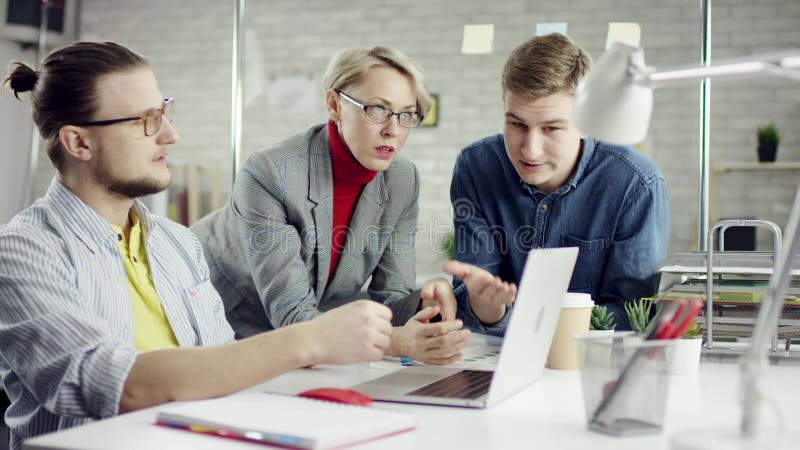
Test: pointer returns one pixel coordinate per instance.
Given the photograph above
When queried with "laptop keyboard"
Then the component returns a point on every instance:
(469, 384)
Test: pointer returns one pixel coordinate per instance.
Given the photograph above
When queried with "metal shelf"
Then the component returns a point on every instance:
(734, 166)
(759, 264)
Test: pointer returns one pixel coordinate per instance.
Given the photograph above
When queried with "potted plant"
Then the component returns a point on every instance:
(683, 356)
(768, 140)
(602, 322)
(601, 327)
(639, 317)
(638, 312)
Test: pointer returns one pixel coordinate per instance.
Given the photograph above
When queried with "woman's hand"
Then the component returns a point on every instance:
(437, 343)
(439, 292)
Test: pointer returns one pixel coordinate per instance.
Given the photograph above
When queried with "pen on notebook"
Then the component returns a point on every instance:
(406, 361)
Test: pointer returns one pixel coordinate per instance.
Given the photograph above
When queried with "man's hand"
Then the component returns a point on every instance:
(439, 292)
(488, 294)
(432, 343)
(355, 332)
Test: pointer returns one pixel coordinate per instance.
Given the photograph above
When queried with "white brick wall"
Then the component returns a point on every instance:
(190, 51)
(16, 128)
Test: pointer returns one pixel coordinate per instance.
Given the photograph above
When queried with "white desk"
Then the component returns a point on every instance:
(549, 414)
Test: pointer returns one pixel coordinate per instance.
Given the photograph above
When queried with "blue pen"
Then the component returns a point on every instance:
(406, 361)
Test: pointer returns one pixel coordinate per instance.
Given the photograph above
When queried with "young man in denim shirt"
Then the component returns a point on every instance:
(543, 183)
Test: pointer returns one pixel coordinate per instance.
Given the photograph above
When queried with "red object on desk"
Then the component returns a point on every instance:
(680, 321)
(338, 395)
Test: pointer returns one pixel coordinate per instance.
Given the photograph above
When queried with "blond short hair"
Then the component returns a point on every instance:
(544, 65)
(351, 64)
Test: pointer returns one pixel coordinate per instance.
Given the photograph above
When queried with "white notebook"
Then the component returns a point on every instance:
(284, 420)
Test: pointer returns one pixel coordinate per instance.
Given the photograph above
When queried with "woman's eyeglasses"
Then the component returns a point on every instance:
(379, 114)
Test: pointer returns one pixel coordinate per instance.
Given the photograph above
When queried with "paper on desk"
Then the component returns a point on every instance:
(478, 357)
(480, 354)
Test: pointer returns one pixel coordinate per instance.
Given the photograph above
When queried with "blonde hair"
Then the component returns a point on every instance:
(544, 65)
(351, 64)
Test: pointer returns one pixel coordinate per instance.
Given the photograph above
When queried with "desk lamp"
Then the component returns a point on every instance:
(613, 103)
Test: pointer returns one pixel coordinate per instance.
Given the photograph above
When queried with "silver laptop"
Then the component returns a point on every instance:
(544, 283)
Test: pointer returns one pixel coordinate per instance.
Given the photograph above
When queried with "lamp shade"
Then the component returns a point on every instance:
(610, 102)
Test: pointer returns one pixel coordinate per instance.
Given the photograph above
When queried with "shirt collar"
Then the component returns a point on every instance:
(346, 168)
(135, 232)
(587, 150)
(91, 228)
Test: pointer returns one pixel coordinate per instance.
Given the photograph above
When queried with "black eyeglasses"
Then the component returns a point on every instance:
(151, 119)
(379, 114)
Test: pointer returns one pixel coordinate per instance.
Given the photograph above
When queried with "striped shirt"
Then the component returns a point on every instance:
(66, 325)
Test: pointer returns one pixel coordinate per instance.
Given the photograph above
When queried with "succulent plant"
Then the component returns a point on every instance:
(602, 319)
(638, 312)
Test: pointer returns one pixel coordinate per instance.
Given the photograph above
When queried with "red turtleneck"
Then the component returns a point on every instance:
(349, 178)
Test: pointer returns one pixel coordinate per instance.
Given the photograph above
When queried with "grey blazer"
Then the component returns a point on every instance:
(268, 250)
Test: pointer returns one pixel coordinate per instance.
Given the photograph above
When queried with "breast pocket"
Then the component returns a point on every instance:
(591, 262)
(208, 313)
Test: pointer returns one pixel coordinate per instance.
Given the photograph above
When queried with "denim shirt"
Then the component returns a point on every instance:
(614, 208)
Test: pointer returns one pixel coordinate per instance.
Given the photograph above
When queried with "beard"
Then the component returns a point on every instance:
(134, 188)
(131, 188)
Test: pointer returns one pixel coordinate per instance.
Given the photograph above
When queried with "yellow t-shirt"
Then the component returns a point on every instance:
(151, 329)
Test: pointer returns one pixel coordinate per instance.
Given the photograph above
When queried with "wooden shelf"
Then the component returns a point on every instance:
(725, 167)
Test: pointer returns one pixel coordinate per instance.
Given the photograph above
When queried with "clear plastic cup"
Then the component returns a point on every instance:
(625, 384)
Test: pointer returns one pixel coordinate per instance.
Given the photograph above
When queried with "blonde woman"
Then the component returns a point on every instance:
(314, 217)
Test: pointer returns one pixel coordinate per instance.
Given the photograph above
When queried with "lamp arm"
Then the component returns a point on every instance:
(784, 64)
(767, 323)
(783, 71)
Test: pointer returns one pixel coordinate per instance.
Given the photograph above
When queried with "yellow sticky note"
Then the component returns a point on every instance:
(477, 39)
(623, 31)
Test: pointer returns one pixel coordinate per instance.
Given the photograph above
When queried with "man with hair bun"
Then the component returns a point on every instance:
(106, 308)
(543, 183)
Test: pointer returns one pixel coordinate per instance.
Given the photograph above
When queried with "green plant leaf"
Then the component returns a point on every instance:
(447, 245)
(602, 319)
(768, 134)
(693, 332)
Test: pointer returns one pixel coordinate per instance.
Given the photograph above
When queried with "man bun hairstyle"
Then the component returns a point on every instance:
(63, 91)
(22, 78)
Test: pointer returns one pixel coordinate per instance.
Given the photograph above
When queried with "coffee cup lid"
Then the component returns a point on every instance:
(577, 300)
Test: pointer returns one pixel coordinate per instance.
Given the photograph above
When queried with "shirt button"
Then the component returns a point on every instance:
(544, 207)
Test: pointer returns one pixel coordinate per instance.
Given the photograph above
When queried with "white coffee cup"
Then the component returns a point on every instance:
(576, 313)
